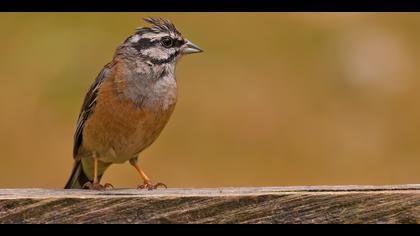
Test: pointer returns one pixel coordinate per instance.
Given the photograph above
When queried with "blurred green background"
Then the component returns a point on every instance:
(276, 99)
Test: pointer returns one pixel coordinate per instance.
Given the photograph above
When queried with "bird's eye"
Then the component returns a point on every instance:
(167, 42)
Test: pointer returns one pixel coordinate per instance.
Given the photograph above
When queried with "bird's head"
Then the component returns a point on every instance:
(161, 43)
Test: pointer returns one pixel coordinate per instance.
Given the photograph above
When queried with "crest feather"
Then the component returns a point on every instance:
(158, 25)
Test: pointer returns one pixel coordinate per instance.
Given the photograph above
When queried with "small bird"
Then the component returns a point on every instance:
(128, 104)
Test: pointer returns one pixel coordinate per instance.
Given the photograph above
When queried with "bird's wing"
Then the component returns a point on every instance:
(88, 106)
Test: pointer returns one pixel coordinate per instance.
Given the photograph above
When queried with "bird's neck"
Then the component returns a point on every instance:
(147, 84)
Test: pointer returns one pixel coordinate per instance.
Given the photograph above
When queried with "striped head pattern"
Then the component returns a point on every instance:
(161, 43)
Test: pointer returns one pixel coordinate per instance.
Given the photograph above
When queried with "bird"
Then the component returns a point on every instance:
(128, 104)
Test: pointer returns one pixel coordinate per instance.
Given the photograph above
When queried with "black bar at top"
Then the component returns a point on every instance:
(209, 5)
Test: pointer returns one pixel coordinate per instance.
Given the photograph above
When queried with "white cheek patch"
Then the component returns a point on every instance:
(154, 53)
(157, 53)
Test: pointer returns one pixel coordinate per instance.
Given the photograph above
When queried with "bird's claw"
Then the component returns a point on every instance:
(97, 186)
(150, 186)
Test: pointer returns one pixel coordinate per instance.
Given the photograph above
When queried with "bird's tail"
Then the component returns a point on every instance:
(78, 177)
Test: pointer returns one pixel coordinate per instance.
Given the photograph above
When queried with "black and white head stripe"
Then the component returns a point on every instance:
(160, 43)
(144, 43)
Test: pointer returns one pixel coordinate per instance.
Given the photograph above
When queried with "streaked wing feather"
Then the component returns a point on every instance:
(88, 106)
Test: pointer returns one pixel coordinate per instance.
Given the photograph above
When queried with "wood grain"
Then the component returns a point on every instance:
(319, 204)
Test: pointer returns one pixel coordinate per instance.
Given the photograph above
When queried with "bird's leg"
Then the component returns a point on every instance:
(95, 185)
(95, 170)
(147, 183)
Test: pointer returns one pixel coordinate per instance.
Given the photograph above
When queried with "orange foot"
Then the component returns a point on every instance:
(97, 186)
(150, 186)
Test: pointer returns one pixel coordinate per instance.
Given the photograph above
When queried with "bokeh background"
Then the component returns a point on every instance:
(276, 99)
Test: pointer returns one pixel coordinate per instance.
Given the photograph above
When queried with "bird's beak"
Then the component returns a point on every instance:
(189, 48)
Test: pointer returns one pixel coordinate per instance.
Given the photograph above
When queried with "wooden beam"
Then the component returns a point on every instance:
(321, 204)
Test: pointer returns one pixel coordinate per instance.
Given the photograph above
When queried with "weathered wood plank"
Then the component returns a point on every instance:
(321, 204)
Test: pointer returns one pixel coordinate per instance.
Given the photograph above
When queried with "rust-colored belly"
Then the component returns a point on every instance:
(118, 130)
